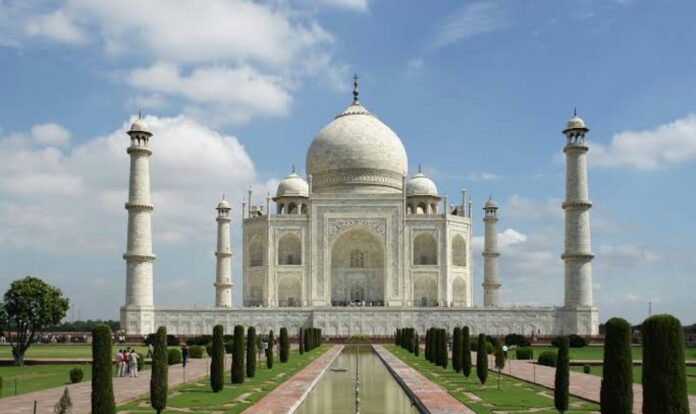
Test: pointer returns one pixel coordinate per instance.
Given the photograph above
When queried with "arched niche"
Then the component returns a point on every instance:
(425, 291)
(289, 292)
(458, 251)
(256, 252)
(292, 208)
(425, 250)
(289, 250)
(357, 269)
(459, 291)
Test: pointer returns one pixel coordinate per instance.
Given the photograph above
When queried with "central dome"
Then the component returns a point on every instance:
(356, 153)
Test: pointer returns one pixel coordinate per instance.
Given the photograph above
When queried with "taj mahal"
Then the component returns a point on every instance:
(360, 247)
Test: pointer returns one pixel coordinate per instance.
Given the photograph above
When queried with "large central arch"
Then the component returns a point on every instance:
(357, 269)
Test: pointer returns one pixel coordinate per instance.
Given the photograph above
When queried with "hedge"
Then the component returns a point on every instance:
(217, 353)
(76, 375)
(574, 341)
(664, 369)
(196, 352)
(102, 387)
(161, 359)
(517, 339)
(173, 356)
(198, 340)
(547, 358)
(616, 393)
(524, 353)
(237, 371)
(561, 390)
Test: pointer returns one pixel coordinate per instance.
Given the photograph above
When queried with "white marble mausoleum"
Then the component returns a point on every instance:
(359, 246)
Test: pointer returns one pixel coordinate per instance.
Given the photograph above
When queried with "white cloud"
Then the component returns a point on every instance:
(50, 134)
(627, 256)
(56, 26)
(356, 5)
(484, 176)
(414, 65)
(667, 144)
(472, 20)
(72, 200)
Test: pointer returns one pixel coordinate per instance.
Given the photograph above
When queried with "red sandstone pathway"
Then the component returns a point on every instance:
(585, 386)
(435, 398)
(288, 396)
(125, 389)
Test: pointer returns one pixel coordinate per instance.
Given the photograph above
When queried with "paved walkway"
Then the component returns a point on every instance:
(431, 396)
(125, 389)
(289, 395)
(585, 386)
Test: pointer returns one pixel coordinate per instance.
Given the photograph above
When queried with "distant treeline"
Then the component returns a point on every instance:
(83, 326)
(688, 329)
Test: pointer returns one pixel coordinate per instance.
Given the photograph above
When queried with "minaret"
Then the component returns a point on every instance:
(578, 254)
(138, 256)
(223, 271)
(491, 281)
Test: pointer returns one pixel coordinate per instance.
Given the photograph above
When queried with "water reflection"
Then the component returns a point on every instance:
(379, 392)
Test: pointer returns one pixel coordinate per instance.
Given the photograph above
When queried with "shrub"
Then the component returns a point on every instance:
(173, 356)
(161, 359)
(198, 340)
(499, 357)
(284, 345)
(664, 372)
(547, 358)
(251, 352)
(141, 361)
(172, 340)
(229, 346)
(517, 339)
(466, 352)
(577, 341)
(196, 352)
(238, 355)
(616, 393)
(457, 349)
(482, 359)
(76, 375)
(490, 348)
(524, 353)
(209, 349)
(586, 369)
(217, 352)
(102, 387)
(562, 380)
(271, 342)
(64, 405)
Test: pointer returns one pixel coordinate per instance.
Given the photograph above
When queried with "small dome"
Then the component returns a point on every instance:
(420, 185)
(575, 123)
(223, 204)
(139, 125)
(293, 186)
(490, 204)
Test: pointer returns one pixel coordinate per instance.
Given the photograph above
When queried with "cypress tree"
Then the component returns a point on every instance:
(664, 371)
(238, 355)
(397, 339)
(102, 387)
(300, 340)
(409, 339)
(457, 349)
(427, 344)
(160, 371)
(466, 352)
(251, 352)
(284, 345)
(307, 343)
(499, 359)
(217, 368)
(482, 359)
(562, 381)
(271, 342)
(443, 348)
(416, 344)
(436, 347)
(616, 394)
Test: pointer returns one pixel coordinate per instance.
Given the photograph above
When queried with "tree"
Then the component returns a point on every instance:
(64, 405)
(284, 345)
(217, 367)
(102, 387)
(664, 372)
(300, 340)
(251, 352)
(28, 307)
(397, 339)
(466, 352)
(427, 344)
(416, 342)
(482, 359)
(444, 358)
(160, 371)
(562, 380)
(616, 394)
(271, 342)
(437, 358)
(307, 341)
(457, 349)
(499, 360)
(238, 355)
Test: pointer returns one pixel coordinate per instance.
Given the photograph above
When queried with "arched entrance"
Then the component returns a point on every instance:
(357, 269)
(459, 292)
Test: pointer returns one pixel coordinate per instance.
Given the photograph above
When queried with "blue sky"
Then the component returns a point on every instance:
(478, 91)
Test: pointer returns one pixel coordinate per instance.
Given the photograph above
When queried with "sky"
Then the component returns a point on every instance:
(234, 91)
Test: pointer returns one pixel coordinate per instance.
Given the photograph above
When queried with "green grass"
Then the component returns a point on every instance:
(513, 396)
(38, 377)
(638, 371)
(197, 397)
(63, 351)
(597, 352)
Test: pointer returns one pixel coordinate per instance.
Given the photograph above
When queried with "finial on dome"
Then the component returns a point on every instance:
(420, 170)
(223, 196)
(293, 168)
(140, 114)
(356, 101)
(575, 111)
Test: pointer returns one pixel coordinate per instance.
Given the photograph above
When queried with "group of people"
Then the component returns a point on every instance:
(127, 362)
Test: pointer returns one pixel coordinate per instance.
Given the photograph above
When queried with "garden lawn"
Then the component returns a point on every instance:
(38, 377)
(64, 351)
(638, 371)
(197, 397)
(513, 396)
(597, 352)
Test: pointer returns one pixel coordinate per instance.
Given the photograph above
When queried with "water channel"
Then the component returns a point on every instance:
(378, 391)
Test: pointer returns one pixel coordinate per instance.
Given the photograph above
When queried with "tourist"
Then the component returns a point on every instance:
(133, 364)
(126, 367)
(2, 339)
(184, 355)
(119, 363)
